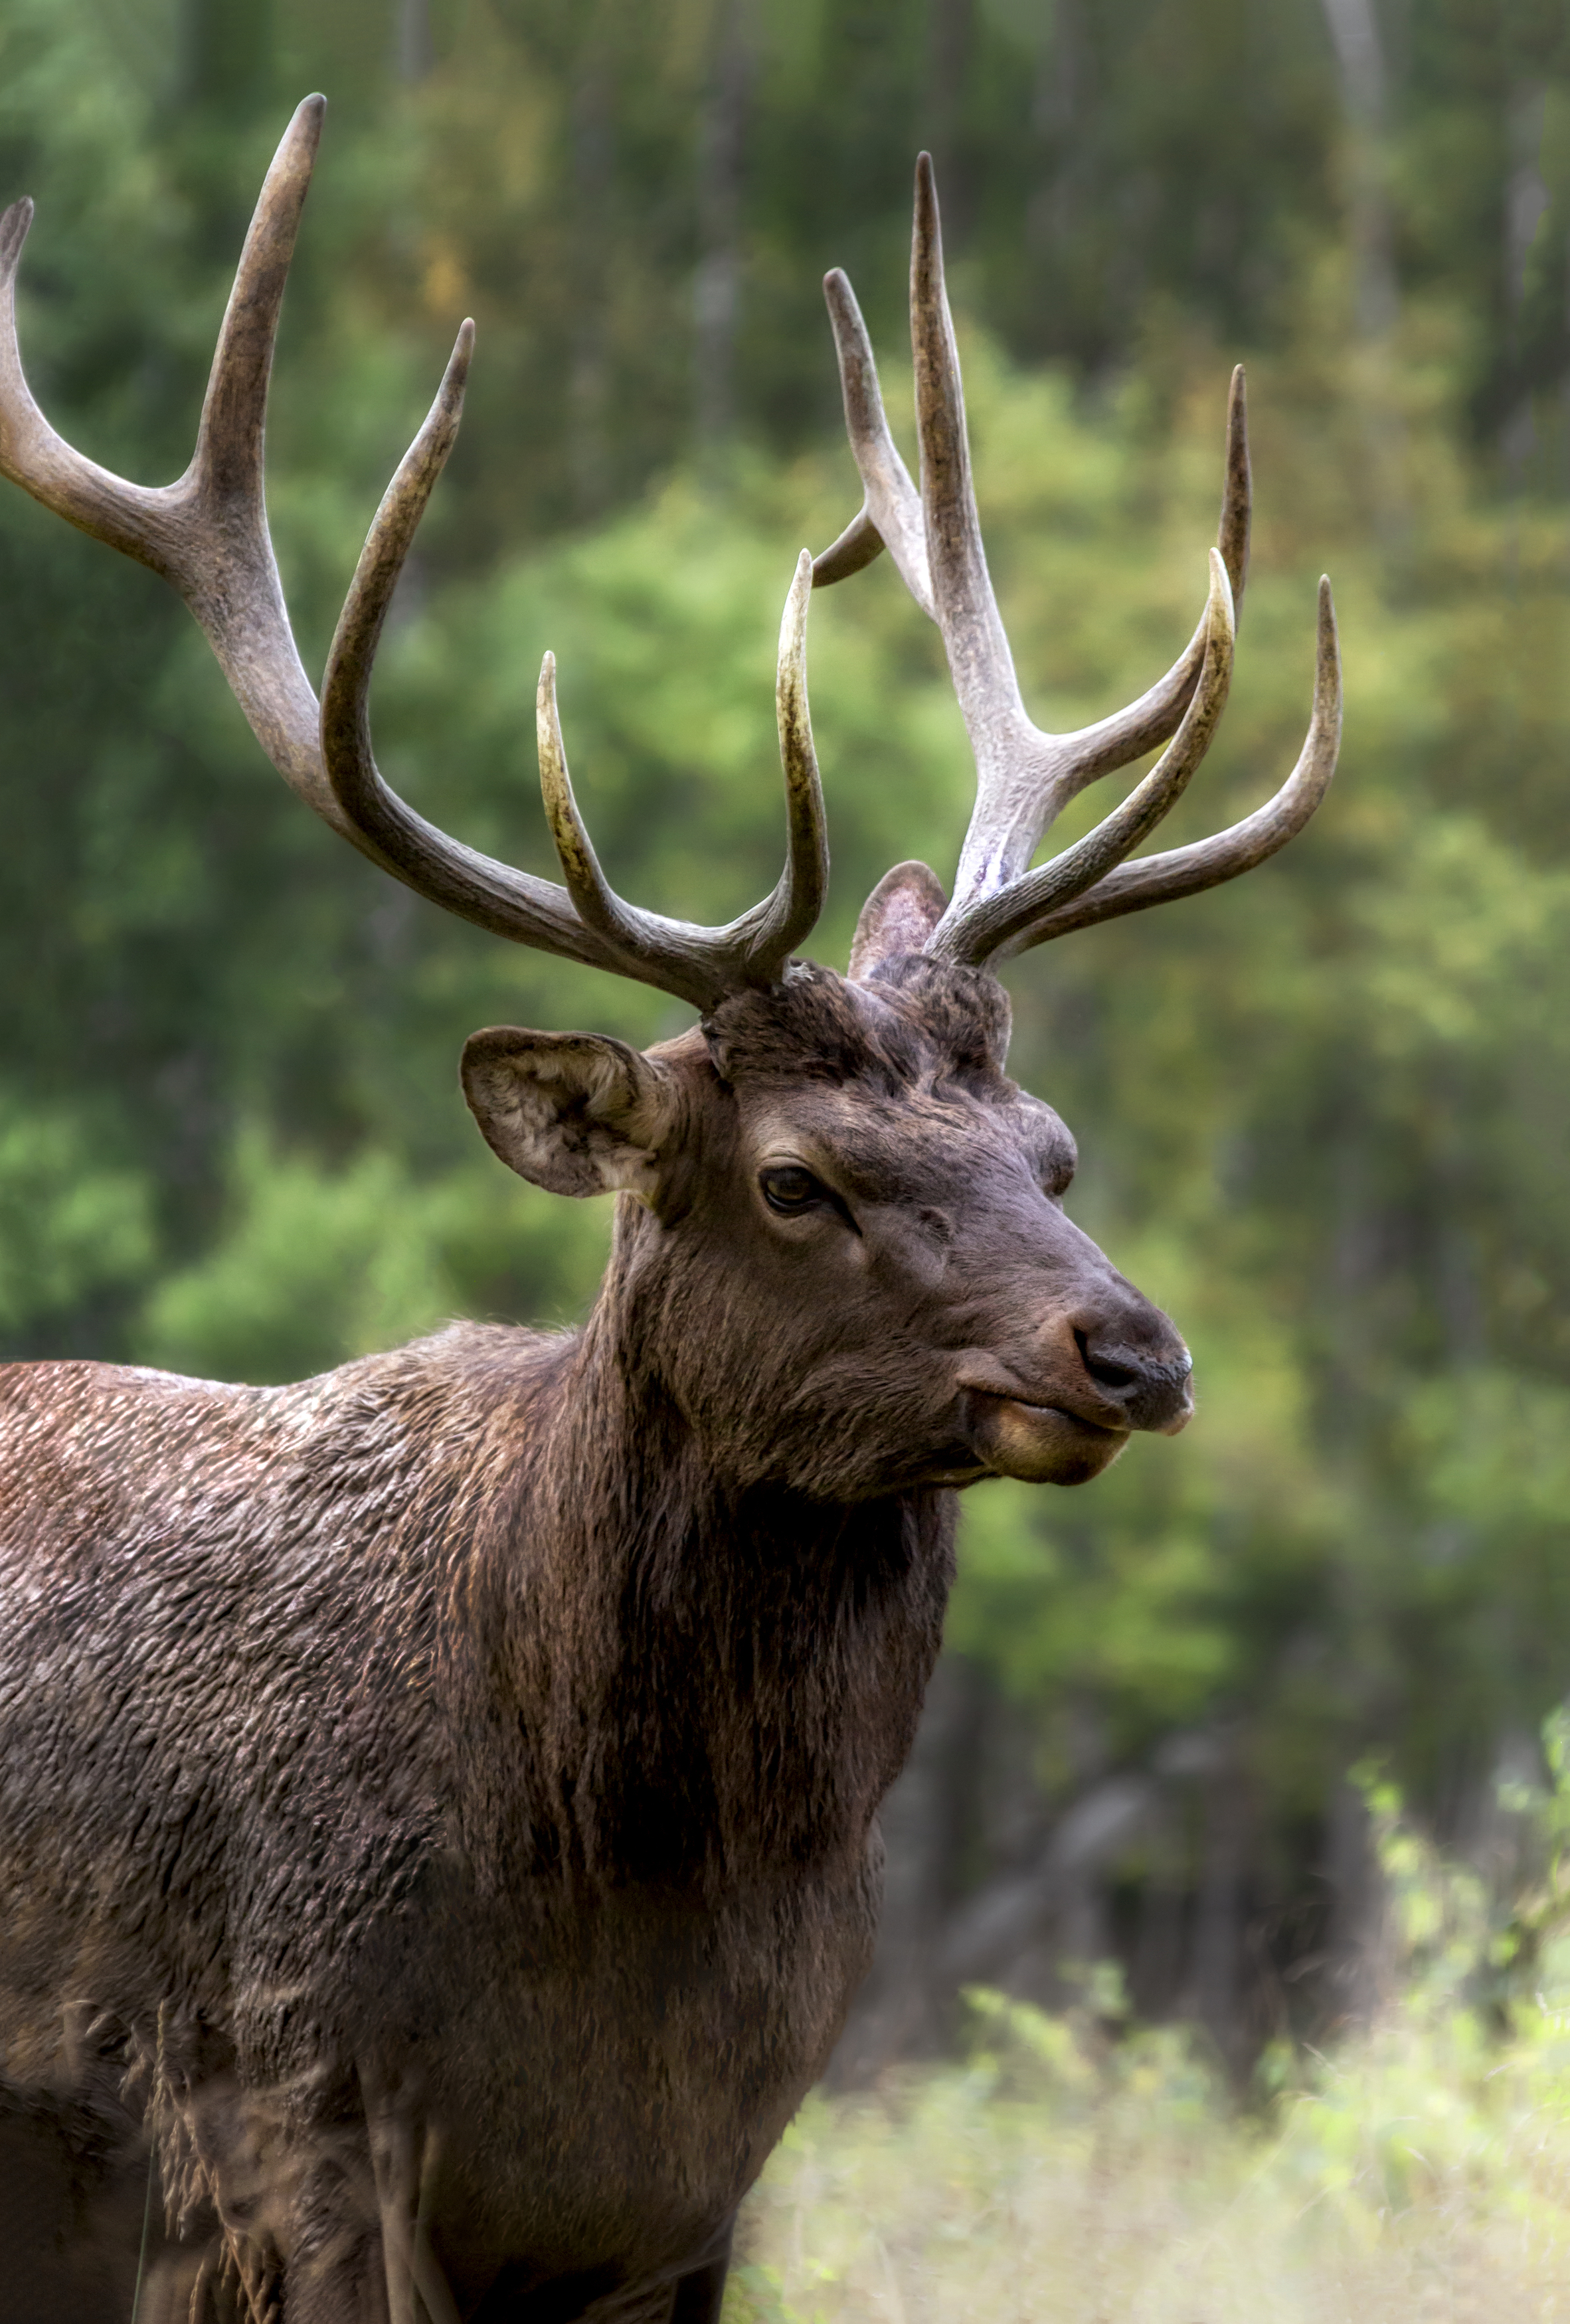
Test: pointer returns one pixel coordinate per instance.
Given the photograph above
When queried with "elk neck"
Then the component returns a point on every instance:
(719, 1676)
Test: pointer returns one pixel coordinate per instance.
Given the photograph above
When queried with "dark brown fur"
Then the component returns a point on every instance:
(449, 1786)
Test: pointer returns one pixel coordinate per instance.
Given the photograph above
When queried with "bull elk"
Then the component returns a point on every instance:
(439, 1835)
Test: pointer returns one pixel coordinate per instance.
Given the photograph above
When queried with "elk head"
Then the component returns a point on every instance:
(843, 1248)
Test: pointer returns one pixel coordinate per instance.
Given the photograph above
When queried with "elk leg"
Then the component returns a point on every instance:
(698, 2297)
(403, 2159)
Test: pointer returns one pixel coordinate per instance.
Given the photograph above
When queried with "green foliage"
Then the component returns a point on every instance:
(318, 1265)
(72, 1229)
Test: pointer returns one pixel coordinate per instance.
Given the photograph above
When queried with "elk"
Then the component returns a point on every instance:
(439, 1833)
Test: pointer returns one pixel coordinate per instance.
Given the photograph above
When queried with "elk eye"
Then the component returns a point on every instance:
(789, 1189)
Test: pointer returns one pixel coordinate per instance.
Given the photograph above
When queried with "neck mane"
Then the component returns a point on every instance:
(721, 1677)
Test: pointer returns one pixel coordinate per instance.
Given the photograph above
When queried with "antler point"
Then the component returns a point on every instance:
(1221, 581)
(303, 136)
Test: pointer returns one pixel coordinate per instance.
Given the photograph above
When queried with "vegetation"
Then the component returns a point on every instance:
(1323, 1114)
(1076, 2168)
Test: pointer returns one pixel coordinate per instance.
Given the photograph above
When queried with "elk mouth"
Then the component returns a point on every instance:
(1039, 1443)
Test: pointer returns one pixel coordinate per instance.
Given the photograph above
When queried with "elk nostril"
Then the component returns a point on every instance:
(1103, 1373)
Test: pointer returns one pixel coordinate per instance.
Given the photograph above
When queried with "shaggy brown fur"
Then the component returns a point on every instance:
(439, 1798)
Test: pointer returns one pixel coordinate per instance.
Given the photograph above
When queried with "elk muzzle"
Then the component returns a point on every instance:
(1070, 1414)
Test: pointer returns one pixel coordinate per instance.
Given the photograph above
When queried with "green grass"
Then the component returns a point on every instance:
(1397, 2190)
(1077, 2170)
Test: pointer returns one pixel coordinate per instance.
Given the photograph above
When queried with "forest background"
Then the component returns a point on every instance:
(1323, 1114)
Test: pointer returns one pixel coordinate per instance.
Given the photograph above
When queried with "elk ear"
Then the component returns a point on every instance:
(898, 917)
(577, 1113)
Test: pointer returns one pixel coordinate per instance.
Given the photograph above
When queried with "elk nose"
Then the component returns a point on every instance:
(1153, 1391)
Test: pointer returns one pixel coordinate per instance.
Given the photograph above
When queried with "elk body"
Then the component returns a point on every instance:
(437, 1836)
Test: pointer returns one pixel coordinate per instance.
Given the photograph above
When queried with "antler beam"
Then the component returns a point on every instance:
(207, 535)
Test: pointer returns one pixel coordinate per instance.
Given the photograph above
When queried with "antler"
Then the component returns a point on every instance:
(1025, 776)
(207, 535)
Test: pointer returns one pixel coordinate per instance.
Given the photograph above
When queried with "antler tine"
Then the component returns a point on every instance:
(495, 896)
(1208, 862)
(891, 513)
(791, 913)
(1127, 734)
(703, 963)
(1008, 750)
(990, 924)
(207, 533)
(1237, 490)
